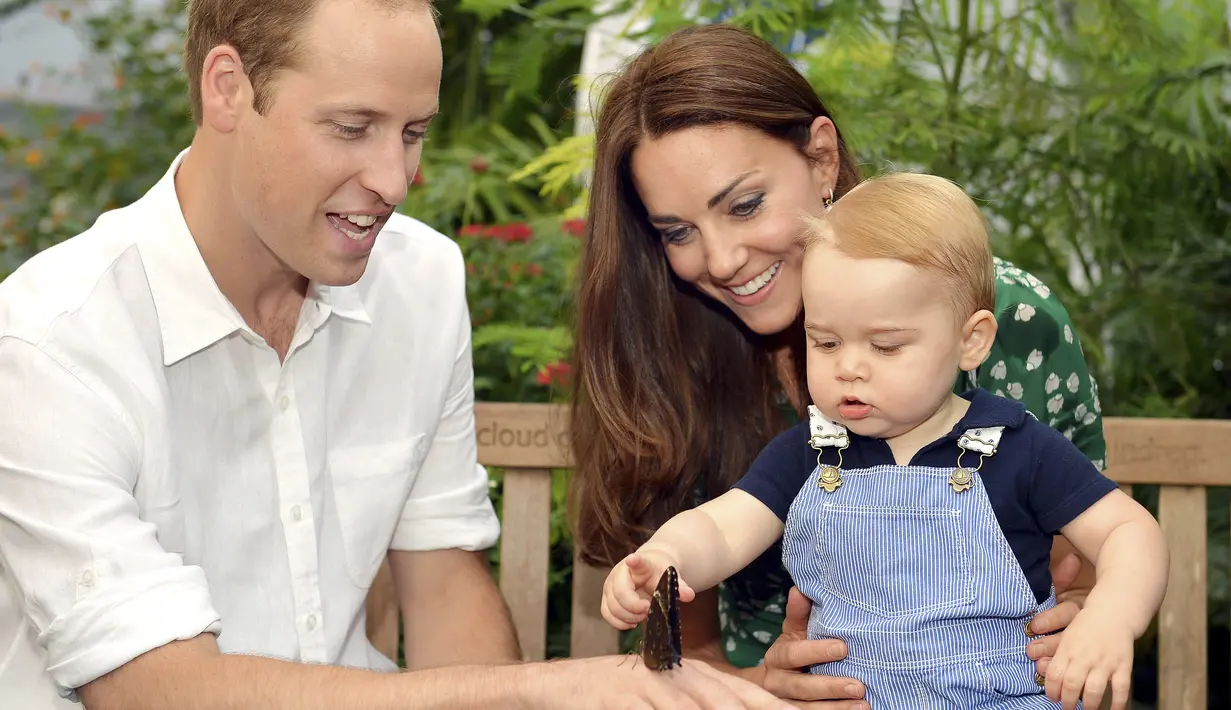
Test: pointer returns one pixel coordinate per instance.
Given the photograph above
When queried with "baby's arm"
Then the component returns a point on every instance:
(705, 545)
(1130, 560)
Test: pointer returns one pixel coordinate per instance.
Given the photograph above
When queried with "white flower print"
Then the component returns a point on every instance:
(999, 370)
(1098, 406)
(1055, 403)
(762, 636)
(1089, 419)
(730, 645)
(772, 608)
(1052, 384)
(1034, 360)
(1042, 290)
(1015, 390)
(1068, 334)
(1068, 433)
(999, 393)
(1080, 411)
(1024, 313)
(1073, 382)
(1100, 464)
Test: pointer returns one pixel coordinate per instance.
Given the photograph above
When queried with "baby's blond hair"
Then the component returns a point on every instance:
(923, 220)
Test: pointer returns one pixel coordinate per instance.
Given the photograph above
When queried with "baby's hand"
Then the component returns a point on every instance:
(1095, 649)
(630, 586)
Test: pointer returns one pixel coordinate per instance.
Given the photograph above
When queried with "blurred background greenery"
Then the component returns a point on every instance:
(1095, 134)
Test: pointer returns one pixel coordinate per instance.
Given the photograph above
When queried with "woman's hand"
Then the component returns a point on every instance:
(785, 662)
(1070, 598)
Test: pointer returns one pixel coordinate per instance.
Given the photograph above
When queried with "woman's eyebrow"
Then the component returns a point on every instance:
(722, 194)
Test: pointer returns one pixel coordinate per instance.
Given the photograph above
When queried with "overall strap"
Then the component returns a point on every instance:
(823, 432)
(983, 441)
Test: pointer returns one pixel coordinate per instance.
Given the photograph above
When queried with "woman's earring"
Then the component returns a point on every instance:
(828, 202)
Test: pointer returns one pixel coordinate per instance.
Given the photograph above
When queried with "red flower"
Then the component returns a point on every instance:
(556, 374)
(479, 164)
(534, 270)
(514, 232)
(575, 227)
(418, 178)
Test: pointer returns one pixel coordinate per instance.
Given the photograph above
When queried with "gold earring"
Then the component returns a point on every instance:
(828, 202)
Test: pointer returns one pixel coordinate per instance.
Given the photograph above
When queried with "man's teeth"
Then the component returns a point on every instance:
(363, 220)
(758, 283)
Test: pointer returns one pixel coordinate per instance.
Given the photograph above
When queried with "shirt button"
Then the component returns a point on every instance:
(296, 513)
(87, 578)
(311, 623)
(284, 402)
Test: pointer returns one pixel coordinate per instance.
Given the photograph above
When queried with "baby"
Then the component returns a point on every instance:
(920, 522)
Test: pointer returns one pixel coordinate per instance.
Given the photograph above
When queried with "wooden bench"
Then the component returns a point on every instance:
(1183, 457)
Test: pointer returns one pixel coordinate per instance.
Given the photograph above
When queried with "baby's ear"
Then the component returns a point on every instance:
(978, 334)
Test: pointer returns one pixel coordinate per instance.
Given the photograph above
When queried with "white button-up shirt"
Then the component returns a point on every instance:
(162, 474)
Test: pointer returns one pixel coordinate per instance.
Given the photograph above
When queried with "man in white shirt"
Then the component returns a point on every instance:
(223, 404)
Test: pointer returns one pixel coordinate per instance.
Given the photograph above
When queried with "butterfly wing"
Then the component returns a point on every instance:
(660, 646)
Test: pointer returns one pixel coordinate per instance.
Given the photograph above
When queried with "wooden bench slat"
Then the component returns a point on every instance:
(1182, 618)
(1182, 452)
(522, 435)
(525, 552)
(590, 635)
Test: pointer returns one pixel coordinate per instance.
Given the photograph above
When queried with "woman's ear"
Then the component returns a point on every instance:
(978, 334)
(822, 149)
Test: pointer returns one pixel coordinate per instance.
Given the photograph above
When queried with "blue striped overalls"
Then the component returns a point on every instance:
(908, 566)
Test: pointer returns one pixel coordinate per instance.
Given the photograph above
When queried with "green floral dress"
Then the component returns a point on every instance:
(1036, 359)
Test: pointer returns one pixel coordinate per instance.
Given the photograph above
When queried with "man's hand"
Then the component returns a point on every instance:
(792, 652)
(624, 683)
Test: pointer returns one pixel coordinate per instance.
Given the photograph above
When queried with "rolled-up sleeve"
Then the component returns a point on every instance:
(94, 581)
(449, 505)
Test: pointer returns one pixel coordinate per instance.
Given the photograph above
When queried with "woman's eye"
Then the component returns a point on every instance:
(675, 236)
(348, 131)
(748, 207)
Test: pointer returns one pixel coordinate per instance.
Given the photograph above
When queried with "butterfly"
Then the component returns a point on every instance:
(660, 645)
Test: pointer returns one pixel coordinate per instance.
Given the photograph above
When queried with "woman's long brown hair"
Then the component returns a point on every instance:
(673, 396)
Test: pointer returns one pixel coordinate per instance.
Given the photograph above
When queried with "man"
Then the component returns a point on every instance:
(224, 403)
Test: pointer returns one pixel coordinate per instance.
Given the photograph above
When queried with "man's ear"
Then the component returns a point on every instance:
(978, 334)
(225, 89)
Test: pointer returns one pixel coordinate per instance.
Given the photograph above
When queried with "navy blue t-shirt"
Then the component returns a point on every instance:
(1037, 481)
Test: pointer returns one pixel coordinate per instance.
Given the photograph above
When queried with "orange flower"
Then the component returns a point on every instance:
(33, 157)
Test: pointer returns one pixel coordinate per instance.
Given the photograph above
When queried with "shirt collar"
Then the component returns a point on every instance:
(988, 410)
(193, 313)
(342, 301)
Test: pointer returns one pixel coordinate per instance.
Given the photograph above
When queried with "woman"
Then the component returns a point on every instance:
(688, 345)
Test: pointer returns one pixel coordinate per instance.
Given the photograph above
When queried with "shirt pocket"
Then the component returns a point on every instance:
(370, 486)
(895, 561)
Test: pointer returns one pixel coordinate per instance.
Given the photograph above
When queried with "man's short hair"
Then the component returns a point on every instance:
(265, 33)
(923, 220)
